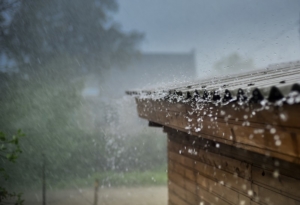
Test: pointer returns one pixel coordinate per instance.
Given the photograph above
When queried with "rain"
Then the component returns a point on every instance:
(149, 102)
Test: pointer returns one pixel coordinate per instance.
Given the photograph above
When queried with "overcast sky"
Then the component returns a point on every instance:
(266, 31)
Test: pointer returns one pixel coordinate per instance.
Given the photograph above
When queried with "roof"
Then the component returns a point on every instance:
(278, 83)
(254, 122)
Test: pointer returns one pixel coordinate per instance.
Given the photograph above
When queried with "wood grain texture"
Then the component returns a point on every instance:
(272, 131)
(198, 175)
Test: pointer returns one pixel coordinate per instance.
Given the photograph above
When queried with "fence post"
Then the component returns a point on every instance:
(96, 192)
(44, 179)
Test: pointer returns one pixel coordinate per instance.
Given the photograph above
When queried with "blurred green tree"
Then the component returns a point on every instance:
(9, 151)
(55, 44)
(43, 30)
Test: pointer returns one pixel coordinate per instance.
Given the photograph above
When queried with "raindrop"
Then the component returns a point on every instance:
(197, 129)
(153, 179)
(258, 131)
(272, 130)
(188, 127)
(283, 117)
(242, 202)
(276, 174)
(180, 151)
(250, 192)
(217, 145)
(290, 101)
(276, 137)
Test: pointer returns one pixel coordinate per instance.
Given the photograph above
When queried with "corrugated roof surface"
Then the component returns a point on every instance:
(278, 83)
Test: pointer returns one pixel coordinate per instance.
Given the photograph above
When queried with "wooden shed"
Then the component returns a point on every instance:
(231, 140)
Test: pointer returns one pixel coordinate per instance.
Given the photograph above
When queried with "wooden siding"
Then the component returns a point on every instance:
(273, 131)
(200, 172)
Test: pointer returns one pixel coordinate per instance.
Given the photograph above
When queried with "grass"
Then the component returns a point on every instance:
(108, 179)
(133, 178)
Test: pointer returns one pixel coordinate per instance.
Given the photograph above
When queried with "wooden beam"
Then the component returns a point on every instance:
(273, 131)
(154, 124)
(230, 158)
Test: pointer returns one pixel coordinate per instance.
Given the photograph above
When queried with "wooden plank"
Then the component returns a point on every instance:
(192, 198)
(174, 199)
(191, 186)
(180, 116)
(221, 191)
(285, 115)
(187, 196)
(254, 203)
(227, 179)
(244, 200)
(176, 157)
(182, 141)
(177, 190)
(180, 169)
(215, 188)
(153, 124)
(207, 196)
(281, 154)
(220, 184)
(253, 135)
(181, 186)
(213, 179)
(233, 166)
(277, 182)
(269, 197)
(176, 178)
(190, 174)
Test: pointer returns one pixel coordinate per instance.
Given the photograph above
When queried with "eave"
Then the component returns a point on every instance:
(249, 127)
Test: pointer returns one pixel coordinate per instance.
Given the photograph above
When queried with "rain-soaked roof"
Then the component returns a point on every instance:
(278, 83)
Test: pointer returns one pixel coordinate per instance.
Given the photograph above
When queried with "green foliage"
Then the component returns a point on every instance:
(53, 114)
(58, 44)
(133, 178)
(9, 152)
(43, 106)
(43, 30)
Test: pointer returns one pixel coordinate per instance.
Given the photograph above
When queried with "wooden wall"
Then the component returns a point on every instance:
(202, 171)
